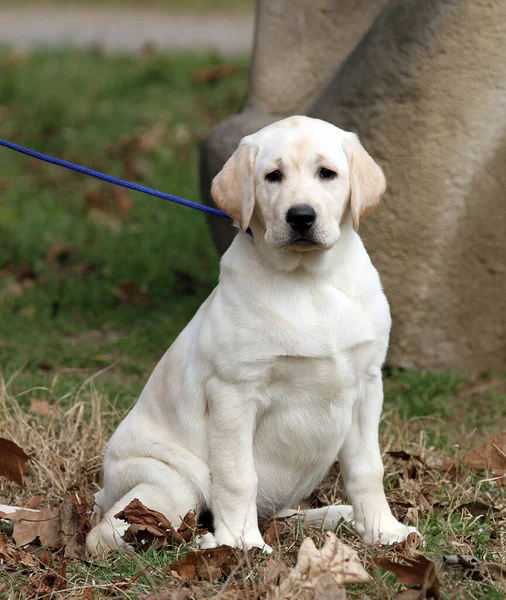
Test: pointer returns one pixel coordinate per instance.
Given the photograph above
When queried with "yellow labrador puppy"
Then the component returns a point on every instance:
(279, 371)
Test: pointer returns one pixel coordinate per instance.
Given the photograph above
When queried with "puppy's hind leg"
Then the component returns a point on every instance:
(326, 517)
(163, 490)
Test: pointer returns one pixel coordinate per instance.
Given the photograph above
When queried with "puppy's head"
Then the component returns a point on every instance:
(299, 176)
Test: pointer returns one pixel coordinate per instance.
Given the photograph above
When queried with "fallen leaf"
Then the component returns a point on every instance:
(495, 571)
(240, 591)
(152, 138)
(60, 253)
(41, 407)
(271, 536)
(416, 570)
(411, 594)
(130, 293)
(185, 592)
(34, 501)
(477, 569)
(478, 509)
(13, 461)
(210, 565)
(489, 457)
(189, 527)
(410, 545)
(110, 200)
(11, 558)
(45, 366)
(335, 558)
(46, 584)
(88, 594)
(28, 311)
(88, 268)
(148, 527)
(327, 588)
(29, 525)
(74, 525)
(22, 271)
(272, 571)
(211, 74)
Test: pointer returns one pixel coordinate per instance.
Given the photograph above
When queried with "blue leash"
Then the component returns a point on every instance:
(115, 180)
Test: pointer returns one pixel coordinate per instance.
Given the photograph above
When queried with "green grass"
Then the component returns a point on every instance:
(75, 105)
(60, 328)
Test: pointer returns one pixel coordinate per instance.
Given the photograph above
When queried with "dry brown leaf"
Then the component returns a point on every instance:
(110, 200)
(211, 74)
(41, 407)
(478, 509)
(335, 558)
(22, 270)
(152, 138)
(11, 558)
(130, 293)
(489, 457)
(28, 311)
(136, 513)
(60, 253)
(494, 571)
(477, 569)
(149, 526)
(88, 594)
(272, 571)
(32, 524)
(211, 565)
(189, 527)
(74, 525)
(13, 461)
(327, 588)
(240, 591)
(411, 594)
(185, 592)
(34, 501)
(416, 570)
(271, 536)
(47, 583)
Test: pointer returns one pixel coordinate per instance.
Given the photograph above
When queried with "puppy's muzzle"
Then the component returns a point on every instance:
(301, 218)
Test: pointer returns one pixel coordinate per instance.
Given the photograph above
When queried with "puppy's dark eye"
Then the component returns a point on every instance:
(327, 173)
(274, 175)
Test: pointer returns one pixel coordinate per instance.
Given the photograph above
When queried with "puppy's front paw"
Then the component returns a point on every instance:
(246, 541)
(386, 531)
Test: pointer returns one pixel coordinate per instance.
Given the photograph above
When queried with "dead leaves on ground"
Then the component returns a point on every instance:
(321, 573)
(477, 569)
(215, 564)
(64, 527)
(148, 527)
(212, 74)
(487, 458)
(417, 570)
(129, 292)
(13, 461)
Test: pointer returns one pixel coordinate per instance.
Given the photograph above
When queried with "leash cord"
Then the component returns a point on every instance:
(115, 180)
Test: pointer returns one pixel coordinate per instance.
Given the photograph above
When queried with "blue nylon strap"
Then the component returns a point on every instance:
(115, 180)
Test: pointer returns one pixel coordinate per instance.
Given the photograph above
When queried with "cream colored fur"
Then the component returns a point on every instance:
(279, 371)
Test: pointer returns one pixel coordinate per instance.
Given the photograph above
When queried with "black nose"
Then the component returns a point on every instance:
(301, 217)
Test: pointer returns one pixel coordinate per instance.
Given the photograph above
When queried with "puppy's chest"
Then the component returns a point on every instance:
(317, 345)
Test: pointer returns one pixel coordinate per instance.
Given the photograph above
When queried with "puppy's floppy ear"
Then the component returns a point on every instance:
(233, 189)
(367, 181)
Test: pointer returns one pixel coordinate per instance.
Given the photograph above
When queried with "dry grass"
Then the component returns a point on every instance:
(66, 447)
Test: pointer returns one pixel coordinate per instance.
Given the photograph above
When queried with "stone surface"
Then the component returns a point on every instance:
(425, 89)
